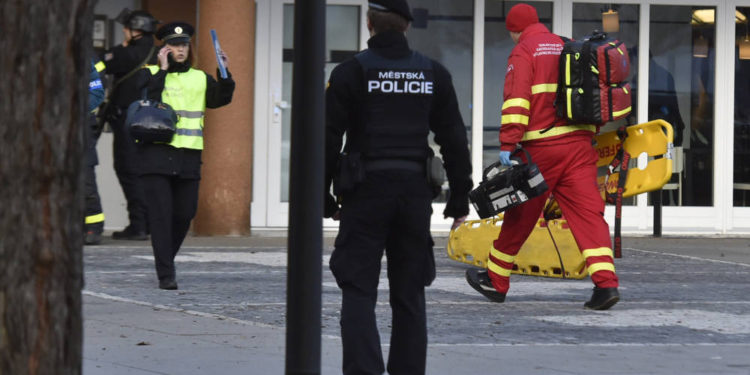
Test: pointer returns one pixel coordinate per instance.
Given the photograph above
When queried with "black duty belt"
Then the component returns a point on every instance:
(391, 164)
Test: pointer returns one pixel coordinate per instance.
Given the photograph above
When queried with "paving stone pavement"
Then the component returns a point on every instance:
(684, 310)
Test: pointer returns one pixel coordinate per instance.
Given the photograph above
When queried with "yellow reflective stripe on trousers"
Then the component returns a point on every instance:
(596, 267)
(498, 270)
(502, 256)
(93, 219)
(620, 113)
(99, 66)
(602, 251)
(557, 130)
(543, 87)
(514, 118)
(516, 102)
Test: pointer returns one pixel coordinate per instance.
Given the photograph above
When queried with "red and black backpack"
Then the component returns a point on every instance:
(592, 86)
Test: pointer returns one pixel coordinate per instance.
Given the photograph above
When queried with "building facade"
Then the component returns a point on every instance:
(690, 64)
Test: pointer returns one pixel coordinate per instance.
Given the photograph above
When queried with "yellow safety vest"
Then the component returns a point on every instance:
(186, 93)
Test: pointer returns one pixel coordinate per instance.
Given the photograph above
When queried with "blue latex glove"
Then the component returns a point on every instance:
(505, 158)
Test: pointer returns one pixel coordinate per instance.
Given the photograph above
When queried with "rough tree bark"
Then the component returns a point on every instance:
(44, 65)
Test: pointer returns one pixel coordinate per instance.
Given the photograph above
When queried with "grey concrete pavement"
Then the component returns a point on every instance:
(685, 309)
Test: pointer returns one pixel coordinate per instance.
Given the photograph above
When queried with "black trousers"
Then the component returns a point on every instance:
(126, 167)
(172, 202)
(93, 209)
(390, 210)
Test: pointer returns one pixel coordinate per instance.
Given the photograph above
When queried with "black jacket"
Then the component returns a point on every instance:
(121, 60)
(344, 95)
(162, 158)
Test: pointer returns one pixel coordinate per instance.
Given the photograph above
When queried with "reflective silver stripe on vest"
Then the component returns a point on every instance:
(190, 114)
(190, 132)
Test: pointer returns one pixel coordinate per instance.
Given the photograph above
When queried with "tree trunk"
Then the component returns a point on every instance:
(44, 65)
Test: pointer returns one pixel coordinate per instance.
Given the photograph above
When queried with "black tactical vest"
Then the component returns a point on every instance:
(396, 106)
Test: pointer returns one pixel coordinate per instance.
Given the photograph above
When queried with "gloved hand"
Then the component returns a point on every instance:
(505, 158)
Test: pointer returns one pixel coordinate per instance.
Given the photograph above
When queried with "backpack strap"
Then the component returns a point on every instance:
(559, 93)
(104, 106)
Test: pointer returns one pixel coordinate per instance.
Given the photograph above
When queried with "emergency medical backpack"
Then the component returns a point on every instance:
(503, 187)
(592, 86)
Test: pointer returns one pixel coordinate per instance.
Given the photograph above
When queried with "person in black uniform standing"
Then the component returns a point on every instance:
(123, 61)
(387, 99)
(170, 172)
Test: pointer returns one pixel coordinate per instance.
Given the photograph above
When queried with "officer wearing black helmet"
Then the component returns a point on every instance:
(386, 100)
(122, 62)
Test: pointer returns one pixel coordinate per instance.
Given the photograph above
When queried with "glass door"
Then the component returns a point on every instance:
(346, 34)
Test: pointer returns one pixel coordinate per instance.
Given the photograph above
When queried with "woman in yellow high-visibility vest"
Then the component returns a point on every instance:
(170, 172)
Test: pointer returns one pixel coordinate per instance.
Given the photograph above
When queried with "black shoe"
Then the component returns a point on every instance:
(603, 299)
(130, 234)
(481, 282)
(92, 238)
(168, 284)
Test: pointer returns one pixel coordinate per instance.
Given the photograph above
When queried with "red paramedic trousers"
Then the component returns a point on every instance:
(570, 172)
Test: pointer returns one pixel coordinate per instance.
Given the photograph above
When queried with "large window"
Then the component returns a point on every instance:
(444, 30)
(342, 42)
(681, 91)
(742, 109)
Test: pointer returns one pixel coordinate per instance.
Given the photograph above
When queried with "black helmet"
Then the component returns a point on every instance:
(137, 20)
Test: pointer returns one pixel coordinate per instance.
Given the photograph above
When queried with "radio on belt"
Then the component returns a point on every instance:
(503, 187)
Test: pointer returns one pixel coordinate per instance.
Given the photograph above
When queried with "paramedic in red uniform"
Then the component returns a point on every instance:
(564, 155)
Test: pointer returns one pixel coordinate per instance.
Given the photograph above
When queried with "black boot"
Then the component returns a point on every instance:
(481, 282)
(603, 299)
(130, 233)
(168, 283)
(92, 237)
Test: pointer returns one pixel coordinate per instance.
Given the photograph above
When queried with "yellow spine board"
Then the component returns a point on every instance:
(654, 138)
(471, 243)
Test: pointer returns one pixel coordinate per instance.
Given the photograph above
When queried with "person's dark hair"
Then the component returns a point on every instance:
(190, 54)
(386, 21)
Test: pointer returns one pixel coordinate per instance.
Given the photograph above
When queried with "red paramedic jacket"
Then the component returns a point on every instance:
(529, 93)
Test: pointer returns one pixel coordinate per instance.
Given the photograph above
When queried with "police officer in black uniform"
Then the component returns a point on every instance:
(123, 61)
(386, 100)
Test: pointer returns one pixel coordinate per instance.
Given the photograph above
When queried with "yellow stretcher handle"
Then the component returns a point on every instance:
(654, 138)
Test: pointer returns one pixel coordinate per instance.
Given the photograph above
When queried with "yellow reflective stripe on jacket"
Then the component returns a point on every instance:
(602, 251)
(543, 87)
(515, 119)
(557, 130)
(516, 102)
(186, 93)
(620, 113)
(502, 256)
(92, 219)
(99, 66)
(596, 267)
(569, 102)
(498, 270)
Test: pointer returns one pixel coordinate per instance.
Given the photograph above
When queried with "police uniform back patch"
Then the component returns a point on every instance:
(399, 81)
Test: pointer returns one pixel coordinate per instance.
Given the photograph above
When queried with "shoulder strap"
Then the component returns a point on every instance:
(137, 68)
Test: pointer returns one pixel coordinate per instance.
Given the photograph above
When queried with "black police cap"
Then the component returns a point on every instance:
(399, 7)
(175, 33)
(137, 20)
